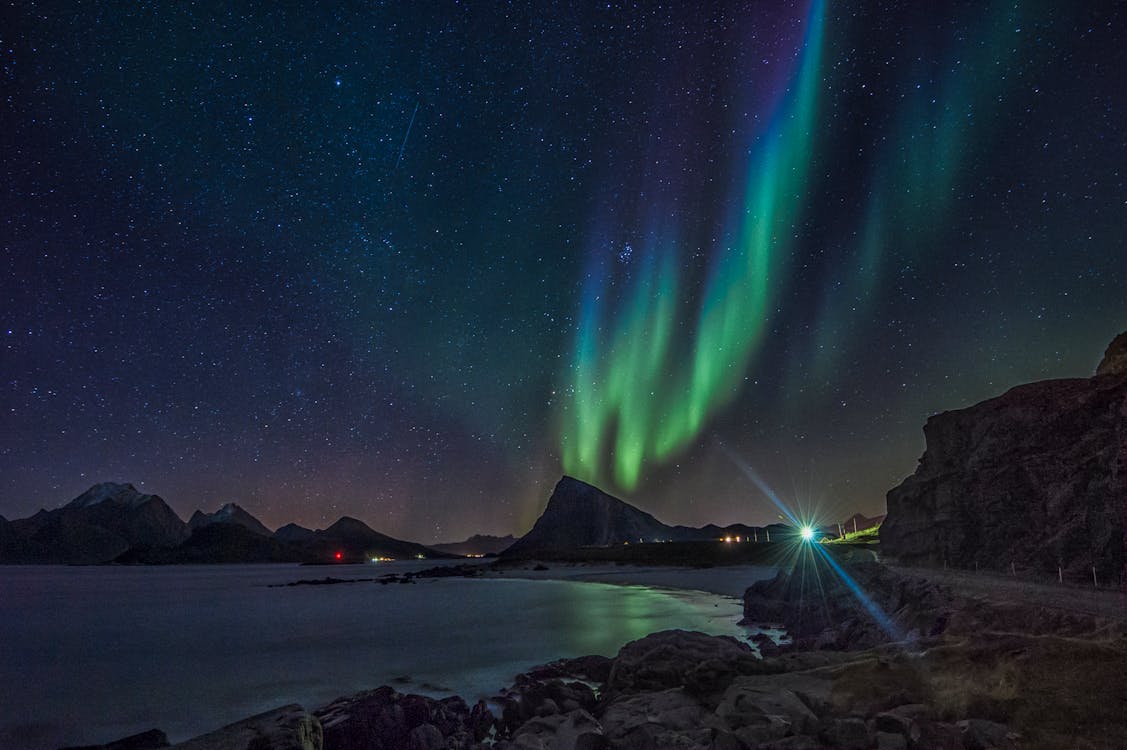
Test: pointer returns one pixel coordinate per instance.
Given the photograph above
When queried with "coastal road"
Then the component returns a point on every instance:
(1106, 603)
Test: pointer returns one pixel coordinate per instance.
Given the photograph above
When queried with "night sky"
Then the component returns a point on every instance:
(412, 261)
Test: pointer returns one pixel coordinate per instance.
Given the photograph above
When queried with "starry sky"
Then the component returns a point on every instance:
(410, 262)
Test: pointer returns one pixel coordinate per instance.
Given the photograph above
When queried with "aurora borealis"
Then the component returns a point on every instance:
(411, 262)
(654, 402)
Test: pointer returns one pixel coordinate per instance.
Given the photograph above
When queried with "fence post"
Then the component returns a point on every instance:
(1095, 583)
(1060, 575)
(768, 534)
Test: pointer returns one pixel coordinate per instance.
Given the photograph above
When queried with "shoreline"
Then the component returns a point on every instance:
(729, 581)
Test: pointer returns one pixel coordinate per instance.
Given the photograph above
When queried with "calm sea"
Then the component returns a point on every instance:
(91, 654)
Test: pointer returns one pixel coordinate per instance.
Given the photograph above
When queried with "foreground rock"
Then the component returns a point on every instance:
(286, 728)
(822, 610)
(1035, 478)
(154, 739)
(691, 691)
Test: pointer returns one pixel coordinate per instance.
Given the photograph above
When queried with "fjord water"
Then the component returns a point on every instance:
(91, 654)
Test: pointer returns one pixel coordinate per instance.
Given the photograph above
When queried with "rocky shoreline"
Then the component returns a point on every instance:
(913, 666)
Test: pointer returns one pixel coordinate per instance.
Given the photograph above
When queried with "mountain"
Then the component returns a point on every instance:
(478, 544)
(232, 514)
(113, 522)
(96, 526)
(579, 515)
(355, 541)
(1035, 478)
(217, 543)
(291, 532)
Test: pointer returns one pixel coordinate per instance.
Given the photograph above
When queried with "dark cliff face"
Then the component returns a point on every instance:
(1115, 358)
(579, 515)
(1036, 477)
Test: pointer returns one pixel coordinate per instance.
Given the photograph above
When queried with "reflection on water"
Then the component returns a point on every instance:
(93, 654)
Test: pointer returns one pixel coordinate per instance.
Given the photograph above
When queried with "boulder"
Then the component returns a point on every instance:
(286, 728)
(150, 740)
(383, 719)
(664, 719)
(825, 612)
(980, 734)
(763, 708)
(848, 734)
(679, 658)
(572, 731)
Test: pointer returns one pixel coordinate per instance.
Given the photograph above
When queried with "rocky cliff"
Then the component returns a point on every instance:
(1036, 478)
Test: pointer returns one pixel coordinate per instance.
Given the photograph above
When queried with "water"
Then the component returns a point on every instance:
(93, 654)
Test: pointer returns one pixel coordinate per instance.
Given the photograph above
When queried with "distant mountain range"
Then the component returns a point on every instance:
(113, 522)
(477, 545)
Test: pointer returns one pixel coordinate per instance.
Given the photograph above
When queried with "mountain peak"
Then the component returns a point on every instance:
(122, 494)
(579, 514)
(229, 513)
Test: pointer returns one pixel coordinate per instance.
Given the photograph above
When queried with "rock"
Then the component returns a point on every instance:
(825, 612)
(593, 668)
(481, 720)
(794, 742)
(1115, 358)
(1034, 478)
(764, 708)
(571, 731)
(980, 734)
(676, 658)
(383, 719)
(665, 719)
(286, 728)
(891, 741)
(425, 737)
(897, 722)
(848, 734)
(150, 740)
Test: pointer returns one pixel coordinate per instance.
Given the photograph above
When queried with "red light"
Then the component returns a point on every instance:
(339, 555)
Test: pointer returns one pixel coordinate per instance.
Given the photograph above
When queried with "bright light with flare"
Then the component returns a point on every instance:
(807, 533)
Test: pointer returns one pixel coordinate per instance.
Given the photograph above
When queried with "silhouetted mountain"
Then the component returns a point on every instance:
(218, 543)
(291, 532)
(96, 526)
(355, 541)
(579, 515)
(229, 513)
(478, 544)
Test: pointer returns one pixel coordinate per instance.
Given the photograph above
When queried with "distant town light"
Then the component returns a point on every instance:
(339, 555)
